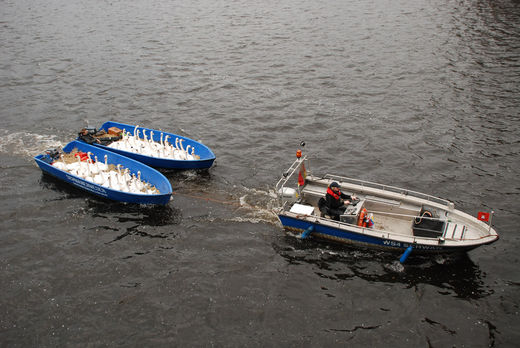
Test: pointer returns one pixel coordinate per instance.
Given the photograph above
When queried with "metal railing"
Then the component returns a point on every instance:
(279, 187)
(392, 189)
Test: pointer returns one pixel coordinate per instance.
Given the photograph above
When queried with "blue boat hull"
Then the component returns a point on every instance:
(352, 237)
(147, 174)
(206, 155)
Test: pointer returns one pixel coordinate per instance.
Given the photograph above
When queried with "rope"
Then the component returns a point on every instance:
(207, 199)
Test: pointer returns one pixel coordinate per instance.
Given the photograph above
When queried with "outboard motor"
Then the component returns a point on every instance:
(428, 223)
(289, 194)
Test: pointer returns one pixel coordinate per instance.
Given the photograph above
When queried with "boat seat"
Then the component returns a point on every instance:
(302, 209)
(454, 231)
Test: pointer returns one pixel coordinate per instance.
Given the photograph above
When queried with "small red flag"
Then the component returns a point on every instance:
(483, 216)
(302, 175)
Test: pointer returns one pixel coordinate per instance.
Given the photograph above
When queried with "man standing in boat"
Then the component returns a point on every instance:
(336, 201)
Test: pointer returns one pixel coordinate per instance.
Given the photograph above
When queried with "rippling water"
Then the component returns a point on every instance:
(421, 94)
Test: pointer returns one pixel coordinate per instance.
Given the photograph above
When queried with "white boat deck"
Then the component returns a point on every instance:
(393, 224)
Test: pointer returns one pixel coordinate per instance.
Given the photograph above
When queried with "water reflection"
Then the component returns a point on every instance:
(453, 275)
(149, 215)
(67, 190)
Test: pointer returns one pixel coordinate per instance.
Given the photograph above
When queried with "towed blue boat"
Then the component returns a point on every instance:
(155, 148)
(106, 174)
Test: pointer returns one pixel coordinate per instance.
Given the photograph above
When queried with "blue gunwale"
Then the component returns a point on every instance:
(148, 174)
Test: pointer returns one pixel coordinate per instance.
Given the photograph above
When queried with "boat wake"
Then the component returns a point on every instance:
(27, 144)
(258, 207)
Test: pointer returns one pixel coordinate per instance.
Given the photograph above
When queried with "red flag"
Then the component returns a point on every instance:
(483, 216)
(302, 175)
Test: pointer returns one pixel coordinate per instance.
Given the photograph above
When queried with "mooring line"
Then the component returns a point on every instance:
(207, 199)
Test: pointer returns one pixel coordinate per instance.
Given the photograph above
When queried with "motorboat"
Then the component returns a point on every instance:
(383, 216)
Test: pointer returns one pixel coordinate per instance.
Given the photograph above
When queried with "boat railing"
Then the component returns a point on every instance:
(392, 189)
(280, 185)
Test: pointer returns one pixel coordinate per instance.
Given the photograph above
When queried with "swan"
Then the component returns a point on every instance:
(101, 179)
(123, 144)
(182, 152)
(133, 184)
(168, 152)
(114, 145)
(93, 168)
(189, 156)
(124, 187)
(120, 177)
(126, 175)
(139, 183)
(103, 167)
(81, 168)
(136, 132)
(88, 174)
(135, 138)
(113, 182)
(175, 151)
(73, 167)
(60, 164)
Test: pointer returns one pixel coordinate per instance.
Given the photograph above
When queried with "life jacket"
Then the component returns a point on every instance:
(333, 194)
(361, 220)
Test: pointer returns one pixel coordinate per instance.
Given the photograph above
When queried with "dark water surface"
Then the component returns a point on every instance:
(420, 94)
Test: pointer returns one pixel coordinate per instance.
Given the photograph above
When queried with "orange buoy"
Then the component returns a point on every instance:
(361, 220)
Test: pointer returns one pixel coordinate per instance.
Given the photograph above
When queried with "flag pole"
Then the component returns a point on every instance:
(490, 218)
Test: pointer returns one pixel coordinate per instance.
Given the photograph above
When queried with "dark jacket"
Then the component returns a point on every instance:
(333, 202)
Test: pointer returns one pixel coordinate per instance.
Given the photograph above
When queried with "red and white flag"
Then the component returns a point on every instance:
(482, 216)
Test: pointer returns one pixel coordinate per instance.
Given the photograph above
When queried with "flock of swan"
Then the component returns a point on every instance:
(148, 147)
(107, 175)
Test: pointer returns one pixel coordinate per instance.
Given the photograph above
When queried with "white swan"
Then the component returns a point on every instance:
(101, 179)
(113, 182)
(181, 152)
(189, 156)
(88, 174)
(73, 167)
(60, 164)
(103, 167)
(93, 167)
(133, 184)
(81, 168)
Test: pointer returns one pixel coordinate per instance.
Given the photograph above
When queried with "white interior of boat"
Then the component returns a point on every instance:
(388, 215)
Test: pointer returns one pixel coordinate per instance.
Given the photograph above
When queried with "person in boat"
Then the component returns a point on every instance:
(335, 202)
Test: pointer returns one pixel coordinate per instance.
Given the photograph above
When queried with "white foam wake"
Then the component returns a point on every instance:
(27, 144)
